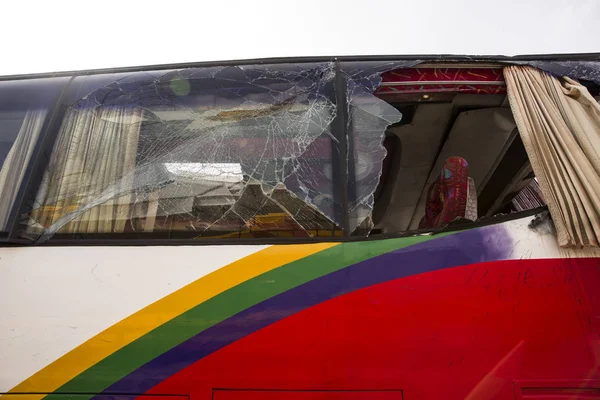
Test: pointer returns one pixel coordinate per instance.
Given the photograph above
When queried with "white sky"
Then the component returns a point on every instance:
(46, 36)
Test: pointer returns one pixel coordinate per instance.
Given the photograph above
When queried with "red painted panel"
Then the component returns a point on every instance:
(306, 395)
(583, 389)
(128, 397)
(466, 332)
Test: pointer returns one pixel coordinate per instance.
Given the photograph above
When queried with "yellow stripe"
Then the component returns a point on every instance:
(136, 325)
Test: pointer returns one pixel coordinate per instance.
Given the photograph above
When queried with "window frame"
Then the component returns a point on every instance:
(50, 124)
(42, 153)
(35, 169)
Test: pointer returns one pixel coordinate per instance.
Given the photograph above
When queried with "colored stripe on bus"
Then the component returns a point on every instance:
(462, 249)
(82, 358)
(217, 309)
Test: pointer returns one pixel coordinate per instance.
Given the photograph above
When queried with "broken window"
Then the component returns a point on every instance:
(367, 120)
(460, 157)
(463, 155)
(288, 150)
(24, 105)
(202, 152)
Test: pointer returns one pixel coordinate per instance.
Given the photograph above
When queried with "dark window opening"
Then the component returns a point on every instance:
(461, 155)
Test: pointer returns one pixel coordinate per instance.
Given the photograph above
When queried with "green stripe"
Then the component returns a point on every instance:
(206, 314)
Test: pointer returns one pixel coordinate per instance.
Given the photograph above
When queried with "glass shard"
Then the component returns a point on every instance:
(368, 119)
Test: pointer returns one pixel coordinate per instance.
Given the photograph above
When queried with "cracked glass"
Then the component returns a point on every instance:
(223, 152)
(368, 119)
(24, 107)
(220, 152)
(580, 70)
(226, 152)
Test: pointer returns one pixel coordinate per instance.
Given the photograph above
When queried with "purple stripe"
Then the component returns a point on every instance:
(484, 244)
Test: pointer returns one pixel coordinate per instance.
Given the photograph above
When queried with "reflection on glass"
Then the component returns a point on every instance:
(218, 152)
(24, 106)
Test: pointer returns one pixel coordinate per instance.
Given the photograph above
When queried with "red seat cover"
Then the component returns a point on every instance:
(447, 196)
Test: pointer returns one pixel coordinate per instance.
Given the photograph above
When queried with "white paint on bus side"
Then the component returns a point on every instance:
(55, 298)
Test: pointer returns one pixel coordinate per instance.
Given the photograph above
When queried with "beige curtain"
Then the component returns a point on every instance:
(17, 160)
(95, 153)
(559, 122)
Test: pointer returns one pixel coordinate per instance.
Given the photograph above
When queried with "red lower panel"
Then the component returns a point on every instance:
(460, 333)
(581, 389)
(306, 395)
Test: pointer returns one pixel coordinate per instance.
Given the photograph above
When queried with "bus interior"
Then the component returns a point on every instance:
(449, 111)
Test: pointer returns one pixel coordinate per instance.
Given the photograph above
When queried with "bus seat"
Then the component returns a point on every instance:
(452, 195)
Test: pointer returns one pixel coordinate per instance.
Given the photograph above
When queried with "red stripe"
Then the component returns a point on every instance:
(445, 334)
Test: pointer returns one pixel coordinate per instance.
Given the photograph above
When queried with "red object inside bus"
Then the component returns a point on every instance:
(443, 79)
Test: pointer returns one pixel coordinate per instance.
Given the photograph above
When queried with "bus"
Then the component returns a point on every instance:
(325, 228)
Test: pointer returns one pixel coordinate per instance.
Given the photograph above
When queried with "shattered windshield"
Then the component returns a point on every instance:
(225, 152)
(231, 151)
